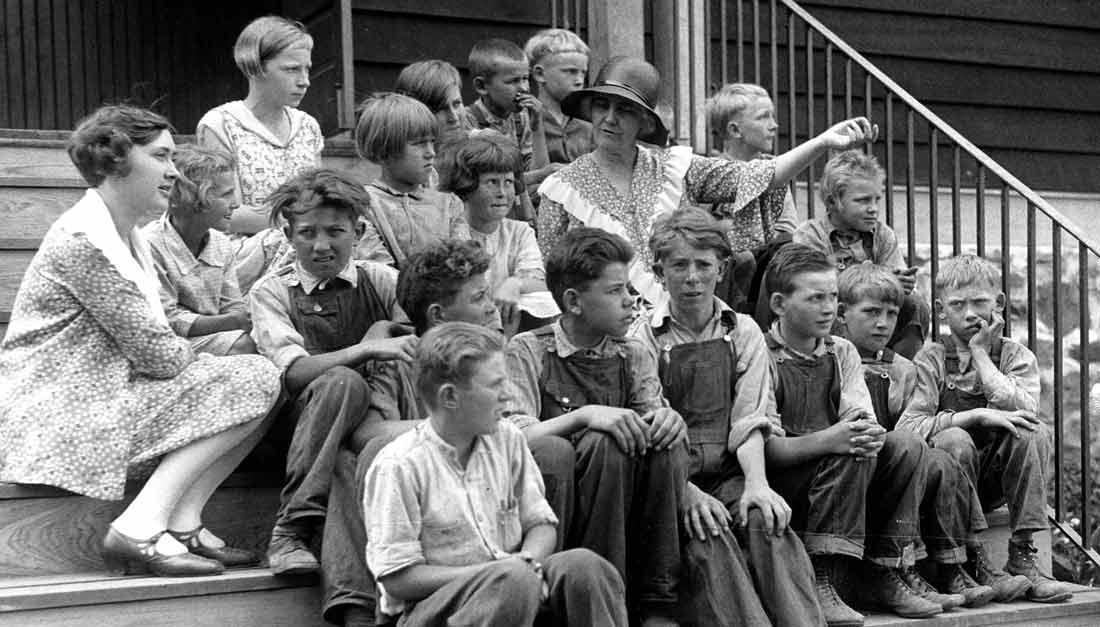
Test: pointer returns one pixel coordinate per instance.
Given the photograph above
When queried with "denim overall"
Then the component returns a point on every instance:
(336, 316)
(699, 379)
(625, 507)
(730, 579)
(878, 384)
(842, 503)
(1002, 468)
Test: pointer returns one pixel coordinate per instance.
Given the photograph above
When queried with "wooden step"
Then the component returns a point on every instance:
(1083, 610)
(243, 597)
(45, 530)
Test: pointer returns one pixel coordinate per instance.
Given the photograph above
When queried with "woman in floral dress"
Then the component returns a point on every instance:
(623, 186)
(96, 388)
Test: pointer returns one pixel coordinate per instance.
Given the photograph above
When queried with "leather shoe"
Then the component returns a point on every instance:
(227, 555)
(129, 556)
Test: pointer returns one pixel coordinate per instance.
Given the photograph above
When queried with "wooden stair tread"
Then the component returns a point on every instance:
(1085, 604)
(32, 593)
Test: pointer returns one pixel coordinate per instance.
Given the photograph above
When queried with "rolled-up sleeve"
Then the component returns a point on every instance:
(391, 511)
(529, 490)
(1017, 384)
(646, 394)
(272, 329)
(750, 410)
(524, 358)
(922, 415)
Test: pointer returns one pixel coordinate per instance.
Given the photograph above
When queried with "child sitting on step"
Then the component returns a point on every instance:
(192, 255)
(458, 530)
(977, 397)
(850, 232)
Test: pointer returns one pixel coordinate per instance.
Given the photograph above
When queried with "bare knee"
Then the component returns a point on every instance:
(243, 346)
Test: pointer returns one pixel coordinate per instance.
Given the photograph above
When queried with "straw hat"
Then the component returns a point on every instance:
(628, 78)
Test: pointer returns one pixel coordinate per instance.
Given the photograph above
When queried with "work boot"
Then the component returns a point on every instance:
(836, 611)
(884, 588)
(289, 554)
(1005, 586)
(954, 579)
(920, 586)
(1044, 589)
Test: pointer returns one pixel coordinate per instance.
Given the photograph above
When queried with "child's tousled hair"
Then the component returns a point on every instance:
(867, 280)
(198, 168)
(728, 102)
(428, 81)
(553, 41)
(580, 257)
(435, 275)
(263, 39)
(487, 53)
(845, 166)
(968, 269)
(791, 261)
(450, 353)
(693, 226)
(318, 188)
(461, 163)
(387, 122)
(101, 143)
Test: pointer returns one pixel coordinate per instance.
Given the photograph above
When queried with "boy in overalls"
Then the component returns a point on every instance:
(323, 320)
(870, 297)
(581, 379)
(714, 371)
(977, 397)
(855, 489)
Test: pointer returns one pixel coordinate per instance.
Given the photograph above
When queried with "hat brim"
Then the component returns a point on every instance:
(577, 105)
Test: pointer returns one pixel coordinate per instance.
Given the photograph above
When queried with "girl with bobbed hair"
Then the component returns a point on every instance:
(438, 85)
(270, 138)
(96, 388)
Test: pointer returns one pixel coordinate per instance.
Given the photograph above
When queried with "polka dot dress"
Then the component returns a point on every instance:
(94, 389)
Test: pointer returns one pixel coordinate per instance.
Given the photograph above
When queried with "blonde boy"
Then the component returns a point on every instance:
(559, 65)
(850, 232)
(977, 397)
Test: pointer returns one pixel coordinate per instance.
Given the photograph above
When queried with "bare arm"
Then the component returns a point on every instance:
(419, 581)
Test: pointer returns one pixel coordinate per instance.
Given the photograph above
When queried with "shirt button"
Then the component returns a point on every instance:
(317, 307)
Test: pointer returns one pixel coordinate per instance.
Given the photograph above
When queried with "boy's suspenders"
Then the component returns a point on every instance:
(950, 396)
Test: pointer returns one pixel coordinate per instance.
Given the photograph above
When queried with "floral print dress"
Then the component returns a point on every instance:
(94, 385)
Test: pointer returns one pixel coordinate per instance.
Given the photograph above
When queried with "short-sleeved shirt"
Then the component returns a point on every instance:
(847, 247)
(193, 286)
(525, 354)
(422, 507)
(270, 303)
(515, 126)
(903, 380)
(753, 398)
(855, 399)
(513, 252)
(408, 222)
(567, 138)
(264, 162)
(1016, 387)
(754, 224)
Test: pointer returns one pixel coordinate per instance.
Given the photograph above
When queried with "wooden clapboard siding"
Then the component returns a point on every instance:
(1017, 77)
(61, 59)
(390, 34)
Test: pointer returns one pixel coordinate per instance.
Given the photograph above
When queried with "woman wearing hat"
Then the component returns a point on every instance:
(623, 185)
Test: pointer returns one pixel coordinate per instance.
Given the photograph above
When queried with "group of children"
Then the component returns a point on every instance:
(462, 455)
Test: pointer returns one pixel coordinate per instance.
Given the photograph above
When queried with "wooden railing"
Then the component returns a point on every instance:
(817, 79)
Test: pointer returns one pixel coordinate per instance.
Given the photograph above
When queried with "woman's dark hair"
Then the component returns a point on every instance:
(462, 162)
(101, 143)
(436, 275)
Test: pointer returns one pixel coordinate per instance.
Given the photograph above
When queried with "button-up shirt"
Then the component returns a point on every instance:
(567, 138)
(272, 328)
(193, 286)
(513, 252)
(408, 222)
(903, 380)
(515, 126)
(753, 390)
(525, 355)
(1015, 386)
(847, 247)
(421, 506)
(855, 399)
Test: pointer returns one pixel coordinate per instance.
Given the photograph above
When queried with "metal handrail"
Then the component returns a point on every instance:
(945, 128)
